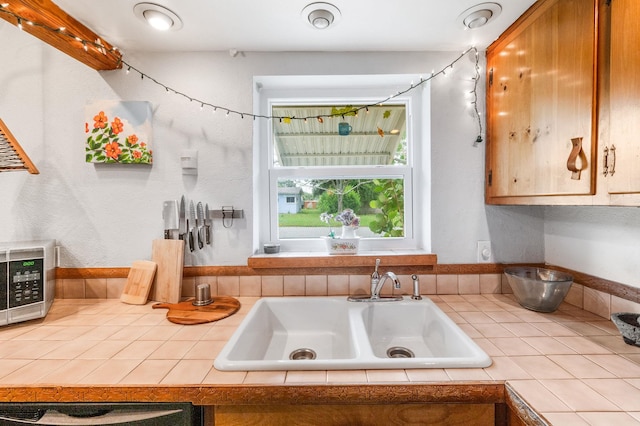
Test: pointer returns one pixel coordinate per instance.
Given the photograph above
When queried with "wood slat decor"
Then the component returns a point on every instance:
(12, 156)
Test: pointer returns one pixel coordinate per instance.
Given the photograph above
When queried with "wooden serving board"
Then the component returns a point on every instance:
(167, 285)
(186, 313)
(139, 280)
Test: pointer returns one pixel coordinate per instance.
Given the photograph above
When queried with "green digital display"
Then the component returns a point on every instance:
(29, 263)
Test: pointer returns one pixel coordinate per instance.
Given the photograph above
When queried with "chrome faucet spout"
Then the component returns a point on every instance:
(375, 293)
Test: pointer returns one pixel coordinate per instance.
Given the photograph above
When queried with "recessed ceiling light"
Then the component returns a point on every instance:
(321, 15)
(159, 17)
(479, 15)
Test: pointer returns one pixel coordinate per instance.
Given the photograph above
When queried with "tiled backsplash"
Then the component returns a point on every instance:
(595, 301)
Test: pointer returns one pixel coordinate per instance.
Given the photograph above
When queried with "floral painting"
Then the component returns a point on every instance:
(118, 132)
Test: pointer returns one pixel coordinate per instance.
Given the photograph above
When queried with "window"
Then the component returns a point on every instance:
(342, 142)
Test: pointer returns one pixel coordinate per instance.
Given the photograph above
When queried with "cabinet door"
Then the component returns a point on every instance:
(624, 99)
(540, 96)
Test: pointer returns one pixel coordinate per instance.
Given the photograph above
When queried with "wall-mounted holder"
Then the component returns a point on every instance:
(227, 214)
(189, 162)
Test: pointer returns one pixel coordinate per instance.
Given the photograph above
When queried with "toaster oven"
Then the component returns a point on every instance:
(27, 280)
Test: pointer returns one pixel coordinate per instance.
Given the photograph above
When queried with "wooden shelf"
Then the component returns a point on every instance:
(292, 262)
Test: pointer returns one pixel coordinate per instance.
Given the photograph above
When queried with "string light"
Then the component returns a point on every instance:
(99, 46)
(59, 30)
(474, 102)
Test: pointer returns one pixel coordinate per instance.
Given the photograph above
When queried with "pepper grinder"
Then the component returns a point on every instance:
(203, 295)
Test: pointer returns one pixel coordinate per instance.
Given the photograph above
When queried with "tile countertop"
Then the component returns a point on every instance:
(571, 366)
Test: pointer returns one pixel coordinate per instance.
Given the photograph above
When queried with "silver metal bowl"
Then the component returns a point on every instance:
(538, 289)
(627, 323)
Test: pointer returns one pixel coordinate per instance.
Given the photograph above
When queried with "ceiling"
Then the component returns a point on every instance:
(278, 25)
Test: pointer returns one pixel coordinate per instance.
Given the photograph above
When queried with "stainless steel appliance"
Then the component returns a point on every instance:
(27, 280)
(86, 414)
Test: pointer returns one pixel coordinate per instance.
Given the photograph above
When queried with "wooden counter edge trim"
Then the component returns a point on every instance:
(613, 288)
(87, 273)
(468, 392)
(522, 409)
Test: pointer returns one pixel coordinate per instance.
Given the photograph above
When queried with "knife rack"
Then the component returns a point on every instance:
(227, 214)
(12, 156)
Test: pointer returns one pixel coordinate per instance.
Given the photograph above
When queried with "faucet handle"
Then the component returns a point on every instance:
(375, 274)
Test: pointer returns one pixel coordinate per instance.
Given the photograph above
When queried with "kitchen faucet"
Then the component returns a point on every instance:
(377, 281)
(375, 288)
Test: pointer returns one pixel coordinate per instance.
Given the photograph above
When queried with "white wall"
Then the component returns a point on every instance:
(107, 215)
(601, 241)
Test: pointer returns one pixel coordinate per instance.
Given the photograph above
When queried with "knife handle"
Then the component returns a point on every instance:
(190, 237)
(207, 233)
(200, 237)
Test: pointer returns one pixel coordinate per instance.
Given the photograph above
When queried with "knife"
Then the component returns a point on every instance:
(191, 224)
(200, 225)
(182, 220)
(170, 216)
(207, 224)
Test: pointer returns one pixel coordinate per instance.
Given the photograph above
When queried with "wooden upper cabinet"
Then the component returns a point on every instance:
(623, 145)
(541, 100)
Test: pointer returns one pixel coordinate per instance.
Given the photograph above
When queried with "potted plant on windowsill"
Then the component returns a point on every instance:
(348, 242)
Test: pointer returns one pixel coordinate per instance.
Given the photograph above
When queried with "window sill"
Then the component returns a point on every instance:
(296, 263)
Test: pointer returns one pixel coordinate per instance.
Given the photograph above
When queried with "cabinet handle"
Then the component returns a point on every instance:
(612, 151)
(576, 154)
(605, 162)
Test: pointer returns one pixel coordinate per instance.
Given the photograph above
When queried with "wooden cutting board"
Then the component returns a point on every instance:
(167, 284)
(139, 281)
(186, 313)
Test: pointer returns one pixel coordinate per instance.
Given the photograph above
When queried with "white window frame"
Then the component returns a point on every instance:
(338, 90)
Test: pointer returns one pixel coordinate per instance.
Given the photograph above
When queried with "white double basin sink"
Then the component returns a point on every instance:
(331, 333)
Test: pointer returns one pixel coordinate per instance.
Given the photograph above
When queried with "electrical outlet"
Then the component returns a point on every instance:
(485, 253)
